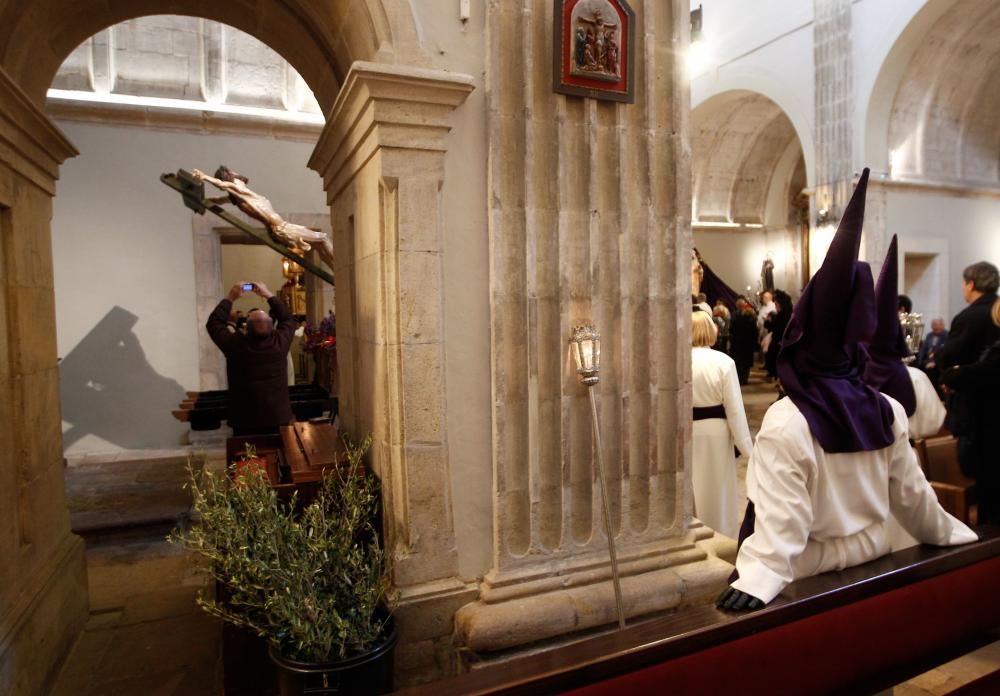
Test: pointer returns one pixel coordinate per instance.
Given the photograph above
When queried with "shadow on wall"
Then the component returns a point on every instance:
(110, 390)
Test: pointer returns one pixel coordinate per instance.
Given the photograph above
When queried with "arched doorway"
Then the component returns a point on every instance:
(319, 38)
(324, 41)
(748, 174)
(136, 273)
(931, 124)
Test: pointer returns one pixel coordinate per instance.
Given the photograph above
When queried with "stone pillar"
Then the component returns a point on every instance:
(835, 175)
(589, 220)
(43, 584)
(834, 97)
(382, 158)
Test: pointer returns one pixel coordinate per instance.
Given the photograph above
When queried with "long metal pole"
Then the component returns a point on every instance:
(606, 509)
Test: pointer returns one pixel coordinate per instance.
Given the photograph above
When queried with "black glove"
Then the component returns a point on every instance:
(734, 600)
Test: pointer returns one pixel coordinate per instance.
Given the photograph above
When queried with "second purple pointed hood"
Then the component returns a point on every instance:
(822, 359)
(886, 371)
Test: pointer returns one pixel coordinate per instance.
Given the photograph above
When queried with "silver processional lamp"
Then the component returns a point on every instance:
(587, 353)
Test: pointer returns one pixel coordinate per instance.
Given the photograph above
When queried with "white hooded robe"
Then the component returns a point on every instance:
(817, 512)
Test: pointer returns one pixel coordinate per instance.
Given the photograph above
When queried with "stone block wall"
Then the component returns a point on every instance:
(43, 594)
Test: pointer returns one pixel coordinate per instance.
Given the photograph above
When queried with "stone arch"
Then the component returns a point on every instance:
(773, 88)
(932, 107)
(746, 159)
(320, 38)
(748, 172)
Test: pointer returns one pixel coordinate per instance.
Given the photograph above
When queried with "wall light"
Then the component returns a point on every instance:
(696, 17)
(698, 53)
(586, 343)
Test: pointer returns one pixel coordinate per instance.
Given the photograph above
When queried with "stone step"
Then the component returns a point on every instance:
(131, 498)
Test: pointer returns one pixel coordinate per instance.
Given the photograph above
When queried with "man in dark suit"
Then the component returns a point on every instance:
(972, 332)
(256, 362)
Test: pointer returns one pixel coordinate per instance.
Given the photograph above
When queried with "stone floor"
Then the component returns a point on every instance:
(146, 636)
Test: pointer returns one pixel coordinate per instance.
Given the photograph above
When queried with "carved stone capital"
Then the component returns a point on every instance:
(30, 144)
(385, 106)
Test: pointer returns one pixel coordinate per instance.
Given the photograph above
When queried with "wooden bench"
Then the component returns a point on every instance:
(856, 631)
(207, 410)
(939, 459)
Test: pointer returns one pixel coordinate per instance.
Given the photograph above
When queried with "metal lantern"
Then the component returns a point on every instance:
(587, 352)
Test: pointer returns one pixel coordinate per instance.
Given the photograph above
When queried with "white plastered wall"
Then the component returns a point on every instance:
(122, 248)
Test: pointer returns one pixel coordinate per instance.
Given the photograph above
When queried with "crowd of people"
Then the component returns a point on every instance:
(961, 368)
(833, 480)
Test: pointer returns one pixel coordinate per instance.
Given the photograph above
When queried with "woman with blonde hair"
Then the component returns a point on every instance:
(980, 382)
(720, 423)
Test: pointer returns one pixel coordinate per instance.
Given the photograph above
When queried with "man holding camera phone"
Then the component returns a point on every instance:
(256, 362)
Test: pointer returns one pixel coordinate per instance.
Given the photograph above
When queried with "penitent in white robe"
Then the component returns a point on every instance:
(817, 512)
(926, 421)
(929, 415)
(713, 463)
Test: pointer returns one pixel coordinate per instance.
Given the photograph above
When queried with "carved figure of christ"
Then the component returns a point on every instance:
(297, 237)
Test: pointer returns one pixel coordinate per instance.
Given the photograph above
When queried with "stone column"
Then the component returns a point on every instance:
(835, 175)
(382, 158)
(589, 220)
(43, 584)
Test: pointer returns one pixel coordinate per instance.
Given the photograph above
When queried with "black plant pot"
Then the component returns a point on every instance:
(367, 673)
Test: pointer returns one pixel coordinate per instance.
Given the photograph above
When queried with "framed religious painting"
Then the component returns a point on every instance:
(594, 49)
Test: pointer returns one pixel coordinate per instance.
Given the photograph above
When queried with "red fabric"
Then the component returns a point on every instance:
(835, 649)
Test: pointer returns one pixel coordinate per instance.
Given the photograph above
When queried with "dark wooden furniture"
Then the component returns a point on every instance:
(206, 410)
(296, 456)
(854, 632)
(939, 459)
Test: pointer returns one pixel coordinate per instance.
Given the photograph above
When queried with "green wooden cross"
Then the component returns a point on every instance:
(193, 194)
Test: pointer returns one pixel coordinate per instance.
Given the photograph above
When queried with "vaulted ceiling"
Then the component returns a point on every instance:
(742, 147)
(944, 122)
(320, 38)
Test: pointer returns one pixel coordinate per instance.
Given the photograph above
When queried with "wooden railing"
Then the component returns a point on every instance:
(855, 631)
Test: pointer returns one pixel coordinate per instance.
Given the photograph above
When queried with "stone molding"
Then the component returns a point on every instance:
(30, 143)
(567, 607)
(944, 187)
(385, 106)
(181, 120)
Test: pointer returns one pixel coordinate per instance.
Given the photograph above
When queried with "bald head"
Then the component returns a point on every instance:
(259, 323)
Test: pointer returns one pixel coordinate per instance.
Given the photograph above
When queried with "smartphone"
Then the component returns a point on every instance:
(247, 287)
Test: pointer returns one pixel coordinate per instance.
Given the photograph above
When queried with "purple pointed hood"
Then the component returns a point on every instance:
(886, 371)
(822, 359)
